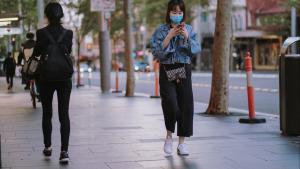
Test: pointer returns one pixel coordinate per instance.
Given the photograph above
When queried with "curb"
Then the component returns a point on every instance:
(199, 103)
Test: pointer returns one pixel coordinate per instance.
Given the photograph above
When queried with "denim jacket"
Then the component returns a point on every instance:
(179, 51)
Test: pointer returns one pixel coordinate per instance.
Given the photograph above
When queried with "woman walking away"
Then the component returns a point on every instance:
(54, 44)
(173, 44)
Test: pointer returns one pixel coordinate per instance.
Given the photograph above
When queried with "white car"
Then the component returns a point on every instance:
(85, 68)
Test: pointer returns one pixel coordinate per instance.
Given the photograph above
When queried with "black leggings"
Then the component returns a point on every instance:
(9, 79)
(177, 101)
(63, 89)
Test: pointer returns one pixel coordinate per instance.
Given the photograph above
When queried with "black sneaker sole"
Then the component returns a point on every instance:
(46, 157)
(64, 160)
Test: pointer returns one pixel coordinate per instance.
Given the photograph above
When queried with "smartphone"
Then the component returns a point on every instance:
(181, 25)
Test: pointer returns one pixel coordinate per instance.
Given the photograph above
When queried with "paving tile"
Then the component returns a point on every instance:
(67, 166)
(286, 164)
(111, 131)
(124, 165)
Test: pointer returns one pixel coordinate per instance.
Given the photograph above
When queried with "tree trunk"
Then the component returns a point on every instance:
(128, 50)
(219, 97)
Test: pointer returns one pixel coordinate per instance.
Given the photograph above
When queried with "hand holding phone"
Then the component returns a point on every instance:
(180, 25)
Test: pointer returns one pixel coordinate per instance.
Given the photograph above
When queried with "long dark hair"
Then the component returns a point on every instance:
(172, 6)
(54, 12)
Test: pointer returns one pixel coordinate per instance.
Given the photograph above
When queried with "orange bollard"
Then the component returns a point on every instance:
(117, 78)
(156, 65)
(143, 70)
(79, 77)
(148, 69)
(138, 73)
(250, 93)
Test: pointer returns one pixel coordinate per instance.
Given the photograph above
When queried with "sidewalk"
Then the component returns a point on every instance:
(110, 131)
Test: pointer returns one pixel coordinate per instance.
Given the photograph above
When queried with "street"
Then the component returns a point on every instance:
(266, 85)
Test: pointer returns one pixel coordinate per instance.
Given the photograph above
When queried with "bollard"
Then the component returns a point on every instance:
(117, 78)
(78, 78)
(138, 73)
(156, 66)
(250, 92)
(143, 71)
(148, 69)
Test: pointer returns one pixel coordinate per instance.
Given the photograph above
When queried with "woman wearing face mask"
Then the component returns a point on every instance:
(173, 45)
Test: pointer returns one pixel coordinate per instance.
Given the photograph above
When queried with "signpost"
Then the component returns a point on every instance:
(104, 40)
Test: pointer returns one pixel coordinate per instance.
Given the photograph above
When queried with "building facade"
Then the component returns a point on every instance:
(250, 32)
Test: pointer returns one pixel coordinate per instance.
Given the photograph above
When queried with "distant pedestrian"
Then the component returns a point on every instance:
(24, 54)
(239, 61)
(173, 44)
(9, 70)
(54, 44)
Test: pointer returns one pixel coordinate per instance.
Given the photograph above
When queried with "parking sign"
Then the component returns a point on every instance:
(103, 5)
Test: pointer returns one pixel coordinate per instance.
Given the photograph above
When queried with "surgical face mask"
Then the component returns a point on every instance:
(176, 18)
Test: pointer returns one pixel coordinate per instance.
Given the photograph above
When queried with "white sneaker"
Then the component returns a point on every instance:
(168, 145)
(182, 150)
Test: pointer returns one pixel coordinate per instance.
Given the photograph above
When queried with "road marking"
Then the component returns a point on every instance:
(238, 75)
(208, 85)
(200, 103)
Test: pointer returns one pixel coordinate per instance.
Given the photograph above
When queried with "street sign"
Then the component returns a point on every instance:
(107, 15)
(10, 31)
(103, 5)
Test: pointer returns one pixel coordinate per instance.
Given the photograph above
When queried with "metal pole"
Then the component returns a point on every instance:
(199, 37)
(293, 28)
(41, 13)
(144, 38)
(104, 47)
(8, 43)
(231, 66)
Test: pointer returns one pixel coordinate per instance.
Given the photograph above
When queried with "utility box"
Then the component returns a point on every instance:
(289, 89)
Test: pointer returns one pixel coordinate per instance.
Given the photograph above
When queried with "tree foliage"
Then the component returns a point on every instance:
(155, 11)
(290, 3)
(280, 21)
(90, 19)
(28, 8)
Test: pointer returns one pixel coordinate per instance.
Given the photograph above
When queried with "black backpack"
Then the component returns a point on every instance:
(57, 64)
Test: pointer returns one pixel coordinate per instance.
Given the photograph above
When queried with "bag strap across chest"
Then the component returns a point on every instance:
(165, 67)
(61, 36)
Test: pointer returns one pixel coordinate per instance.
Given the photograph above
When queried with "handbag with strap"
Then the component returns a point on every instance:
(176, 74)
(31, 67)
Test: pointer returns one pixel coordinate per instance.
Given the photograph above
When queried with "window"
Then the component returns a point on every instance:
(268, 54)
(204, 16)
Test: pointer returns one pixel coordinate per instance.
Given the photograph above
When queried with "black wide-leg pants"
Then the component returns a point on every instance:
(177, 101)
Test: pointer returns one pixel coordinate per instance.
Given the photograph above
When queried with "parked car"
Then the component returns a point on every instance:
(85, 68)
(139, 65)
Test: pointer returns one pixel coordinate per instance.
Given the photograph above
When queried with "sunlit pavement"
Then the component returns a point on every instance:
(112, 131)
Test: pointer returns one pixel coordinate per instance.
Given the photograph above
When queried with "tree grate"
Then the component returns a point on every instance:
(222, 115)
